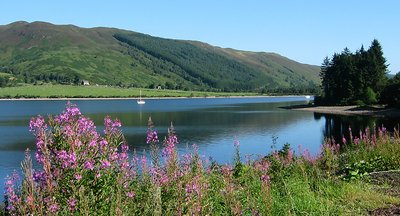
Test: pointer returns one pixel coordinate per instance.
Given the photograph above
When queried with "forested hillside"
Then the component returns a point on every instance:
(41, 52)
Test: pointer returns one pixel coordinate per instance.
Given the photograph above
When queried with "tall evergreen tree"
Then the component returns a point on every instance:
(354, 78)
(377, 67)
(323, 74)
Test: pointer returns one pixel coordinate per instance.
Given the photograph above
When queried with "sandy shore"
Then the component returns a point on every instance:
(350, 110)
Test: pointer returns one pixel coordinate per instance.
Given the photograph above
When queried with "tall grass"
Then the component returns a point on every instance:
(84, 172)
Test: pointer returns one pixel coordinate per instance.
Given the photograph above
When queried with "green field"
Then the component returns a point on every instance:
(69, 91)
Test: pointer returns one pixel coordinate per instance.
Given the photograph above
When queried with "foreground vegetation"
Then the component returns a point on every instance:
(73, 91)
(84, 172)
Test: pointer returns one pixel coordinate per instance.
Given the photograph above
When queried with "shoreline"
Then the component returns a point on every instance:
(376, 111)
(136, 98)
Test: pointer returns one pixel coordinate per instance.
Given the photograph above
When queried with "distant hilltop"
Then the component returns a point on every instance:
(40, 51)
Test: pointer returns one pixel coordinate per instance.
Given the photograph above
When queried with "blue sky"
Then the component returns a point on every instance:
(303, 30)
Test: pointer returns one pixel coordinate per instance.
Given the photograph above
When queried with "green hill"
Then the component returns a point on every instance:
(39, 51)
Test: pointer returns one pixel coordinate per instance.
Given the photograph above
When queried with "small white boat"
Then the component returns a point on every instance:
(307, 96)
(140, 101)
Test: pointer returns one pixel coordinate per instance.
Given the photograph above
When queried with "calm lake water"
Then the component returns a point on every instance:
(212, 124)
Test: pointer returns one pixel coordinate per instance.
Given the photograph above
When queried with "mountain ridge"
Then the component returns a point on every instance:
(110, 56)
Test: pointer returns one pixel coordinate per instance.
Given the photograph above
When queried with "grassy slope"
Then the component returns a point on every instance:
(96, 55)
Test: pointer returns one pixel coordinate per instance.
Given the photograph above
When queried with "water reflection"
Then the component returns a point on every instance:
(338, 125)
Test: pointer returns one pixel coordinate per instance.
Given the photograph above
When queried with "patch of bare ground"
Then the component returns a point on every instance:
(376, 110)
(387, 182)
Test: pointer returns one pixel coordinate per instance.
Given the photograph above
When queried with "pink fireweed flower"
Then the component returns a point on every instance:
(68, 131)
(361, 135)
(29, 199)
(67, 160)
(289, 157)
(265, 179)
(70, 112)
(356, 141)
(226, 170)
(383, 129)
(53, 207)
(39, 176)
(130, 194)
(124, 147)
(85, 125)
(163, 179)
(37, 124)
(105, 164)
(40, 144)
(351, 134)
(152, 137)
(77, 143)
(103, 143)
(39, 156)
(89, 165)
(92, 144)
(192, 187)
(123, 156)
(78, 176)
(9, 188)
(344, 140)
(111, 126)
(236, 142)
(307, 156)
(113, 155)
(72, 204)
(262, 166)
(380, 131)
(116, 124)
(170, 143)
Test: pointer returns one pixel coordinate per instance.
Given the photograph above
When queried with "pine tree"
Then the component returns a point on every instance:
(354, 78)
(377, 67)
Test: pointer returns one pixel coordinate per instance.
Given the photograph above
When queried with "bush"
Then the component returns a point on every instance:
(370, 96)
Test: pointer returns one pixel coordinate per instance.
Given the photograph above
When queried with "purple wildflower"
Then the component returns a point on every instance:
(105, 164)
(72, 204)
(344, 140)
(103, 143)
(92, 144)
(170, 143)
(78, 176)
(236, 143)
(89, 165)
(37, 124)
(53, 207)
(111, 126)
(152, 136)
(130, 194)
(192, 187)
(265, 179)
(226, 170)
(9, 193)
(262, 166)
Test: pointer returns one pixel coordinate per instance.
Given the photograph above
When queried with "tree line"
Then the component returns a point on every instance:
(354, 78)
